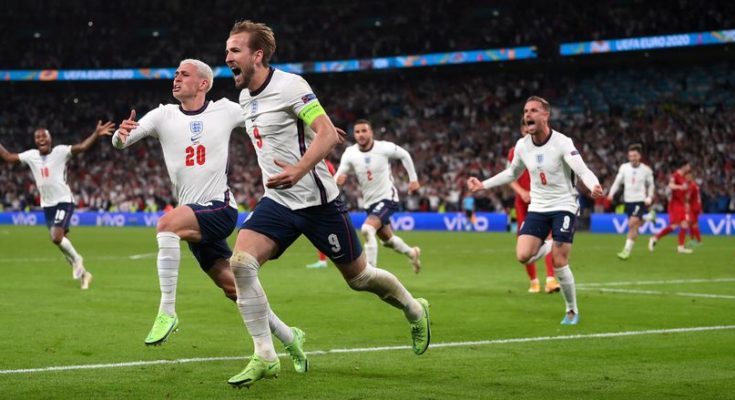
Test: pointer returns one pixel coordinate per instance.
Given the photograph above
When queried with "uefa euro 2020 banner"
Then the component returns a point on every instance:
(710, 224)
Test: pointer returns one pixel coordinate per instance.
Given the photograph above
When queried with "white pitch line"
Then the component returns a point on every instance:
(661, 282)
(141, 256)
(377, 349)
(656, 292)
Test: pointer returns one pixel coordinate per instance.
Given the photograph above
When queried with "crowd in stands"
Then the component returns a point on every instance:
(456, 122)
(142, 33)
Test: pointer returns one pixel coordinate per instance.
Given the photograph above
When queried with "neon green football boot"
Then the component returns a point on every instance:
(421, 330)
(296, 350)
(256, 370)
(163, 327)
(624, 255)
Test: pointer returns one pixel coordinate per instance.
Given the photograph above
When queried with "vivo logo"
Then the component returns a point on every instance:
(404, 223)
(111, 220)
(25, 219)
(459, 222)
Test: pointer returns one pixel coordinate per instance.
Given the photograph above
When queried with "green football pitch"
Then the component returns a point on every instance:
(658, 326)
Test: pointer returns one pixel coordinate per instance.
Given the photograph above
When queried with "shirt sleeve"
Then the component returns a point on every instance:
(576, 163)
(345, 167)
(616, 183)
(24, 156)
(508, 175)
(302, 101)
(146, 127)
(400, 153)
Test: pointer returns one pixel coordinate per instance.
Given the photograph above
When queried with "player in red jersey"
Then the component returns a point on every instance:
(522, 187)
(322, 262)
(678, 209)
(695, 208)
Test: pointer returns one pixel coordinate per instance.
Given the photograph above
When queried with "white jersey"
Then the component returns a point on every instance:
(49, 171)
(195, 147)
(373, 169)
(273, 123)
(552, 167)
(638, 182)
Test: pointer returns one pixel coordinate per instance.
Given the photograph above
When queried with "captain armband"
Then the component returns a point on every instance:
(311, 111)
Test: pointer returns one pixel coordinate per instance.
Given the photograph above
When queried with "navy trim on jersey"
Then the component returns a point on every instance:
(372, 144)
(551, 132)
(267, 81)
(195, 112)
(302, 149)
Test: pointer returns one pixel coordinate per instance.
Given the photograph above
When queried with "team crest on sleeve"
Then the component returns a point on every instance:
(308, 97)
(196, 127)
(574, 152)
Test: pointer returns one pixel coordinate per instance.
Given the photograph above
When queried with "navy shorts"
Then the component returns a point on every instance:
(216, 223)
(383, 209)
(636, 209)
(560, 223)
(328, 227)
(59, 215)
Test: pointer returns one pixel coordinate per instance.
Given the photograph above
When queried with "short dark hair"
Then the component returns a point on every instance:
(636, 147)
(363, 121)
(544, 103)
(261, 37)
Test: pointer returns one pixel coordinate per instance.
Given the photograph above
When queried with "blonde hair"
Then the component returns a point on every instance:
(204, 70)
(261, 37)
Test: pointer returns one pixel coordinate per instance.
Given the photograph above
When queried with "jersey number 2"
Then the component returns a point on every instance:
(198, 155)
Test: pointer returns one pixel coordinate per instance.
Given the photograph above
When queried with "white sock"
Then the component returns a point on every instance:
(279, 329)
(397, 244)
(542, 252)
(71, 256)
(371, 244)
(169, 256)
(389, 289)
(253, 304)
(568, 289)
(628, 245)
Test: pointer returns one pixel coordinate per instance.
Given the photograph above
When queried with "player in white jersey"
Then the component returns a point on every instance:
(637, 196)
(195, 137)
(551, 160)
(292, 135)
(369, 160)
(48, 166)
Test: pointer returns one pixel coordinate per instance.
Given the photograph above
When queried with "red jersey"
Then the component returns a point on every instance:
(694, 201)
(525, 179)
(678, 196)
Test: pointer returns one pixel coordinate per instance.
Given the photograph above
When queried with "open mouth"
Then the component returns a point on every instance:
(235, 71)
(530, 123)
(177, 88)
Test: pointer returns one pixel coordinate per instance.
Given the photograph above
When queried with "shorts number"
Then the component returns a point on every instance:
(198, 155)
(379, 207)
(334, 241)
(44, 172)
(636, 209)
(258, 138)
(567, 220)
(60, 214)
(543, 178)
(370, 175)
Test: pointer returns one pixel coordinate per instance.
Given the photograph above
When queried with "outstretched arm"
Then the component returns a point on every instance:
(575, 162)
(616, 184)
(508, 175)
(7, 156)
(413, 179)
(102, 129)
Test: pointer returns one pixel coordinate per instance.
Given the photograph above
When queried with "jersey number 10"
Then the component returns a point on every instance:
(198, 154)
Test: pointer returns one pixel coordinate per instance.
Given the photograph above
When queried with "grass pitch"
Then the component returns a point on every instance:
(656, 326)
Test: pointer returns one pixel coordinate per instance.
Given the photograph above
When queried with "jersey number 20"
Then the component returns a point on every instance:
(198, 155)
